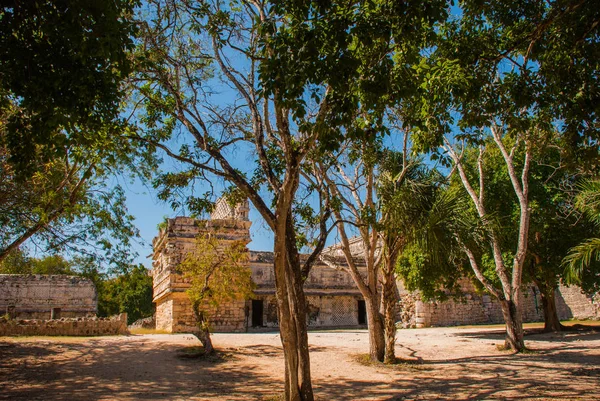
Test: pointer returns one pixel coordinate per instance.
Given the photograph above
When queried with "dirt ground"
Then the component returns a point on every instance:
(442, 364)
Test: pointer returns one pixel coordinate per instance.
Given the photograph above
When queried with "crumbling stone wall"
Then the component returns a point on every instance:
(34, 296)
(82, 326)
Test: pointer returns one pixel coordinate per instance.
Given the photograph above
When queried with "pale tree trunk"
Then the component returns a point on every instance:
(367, 285)
(511, 294)
(514, 325)
(389, 307)
(390, 299)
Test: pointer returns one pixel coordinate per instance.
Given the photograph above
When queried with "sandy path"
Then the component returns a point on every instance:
(453, 364)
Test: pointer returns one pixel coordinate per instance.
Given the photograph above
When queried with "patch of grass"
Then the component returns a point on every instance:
(276, 397)
(529, 351)
(399, 364)
(503, 347)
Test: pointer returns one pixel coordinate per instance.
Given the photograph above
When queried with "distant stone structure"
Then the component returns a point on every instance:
(38, 296)
(333, 299)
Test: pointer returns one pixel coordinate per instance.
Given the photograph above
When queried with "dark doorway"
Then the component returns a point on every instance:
(362, 312)
(257, 312)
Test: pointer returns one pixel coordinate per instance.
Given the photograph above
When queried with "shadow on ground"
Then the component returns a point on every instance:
(137, 368)
(130, 370)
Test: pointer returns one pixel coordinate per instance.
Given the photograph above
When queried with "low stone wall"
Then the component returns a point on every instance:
(83, 326)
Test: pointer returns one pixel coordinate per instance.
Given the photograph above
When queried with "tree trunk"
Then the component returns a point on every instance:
(514, 325)
(376, 335)
(203, 333)
(292, 312)
(389, 307)
(551, 321)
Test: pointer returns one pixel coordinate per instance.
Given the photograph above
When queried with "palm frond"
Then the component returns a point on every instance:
(579, 258)
(588, 200)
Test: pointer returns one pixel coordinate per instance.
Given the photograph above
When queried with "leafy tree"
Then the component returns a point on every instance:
(383, 197)
(129, 292)
(185, 49)
(551, 217)
(65, 205)
(505, 75)
(348, 49)
(16, 262)
(62, 65)
(19, 263)
(218, 272)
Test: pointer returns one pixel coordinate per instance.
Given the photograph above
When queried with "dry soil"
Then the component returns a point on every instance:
(437, 364)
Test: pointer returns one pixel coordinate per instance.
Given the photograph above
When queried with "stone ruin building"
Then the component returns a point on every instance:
(333, 299)
(38, 296)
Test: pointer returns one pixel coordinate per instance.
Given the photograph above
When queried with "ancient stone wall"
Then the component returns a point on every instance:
(574, 304)
(476, 308)
(82, 326)
(28, 296)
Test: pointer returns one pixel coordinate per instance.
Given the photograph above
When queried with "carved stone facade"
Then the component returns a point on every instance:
(37, 296)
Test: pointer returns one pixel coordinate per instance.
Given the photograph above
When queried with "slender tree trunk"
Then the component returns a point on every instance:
(551, 320)
(203, 332)
(292, 309)
(514, 325)
(376, 335)
(389, 308)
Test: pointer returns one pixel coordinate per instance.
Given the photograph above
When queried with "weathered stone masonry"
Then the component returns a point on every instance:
(37, 296)
(81, 326)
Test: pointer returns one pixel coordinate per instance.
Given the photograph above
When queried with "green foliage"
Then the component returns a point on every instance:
(129, 292)
(218, 271)
(528, 67)
(19, 263)
(582, 264)
(65, 205)
(432, 261)
(62, 65)
(360, 51)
